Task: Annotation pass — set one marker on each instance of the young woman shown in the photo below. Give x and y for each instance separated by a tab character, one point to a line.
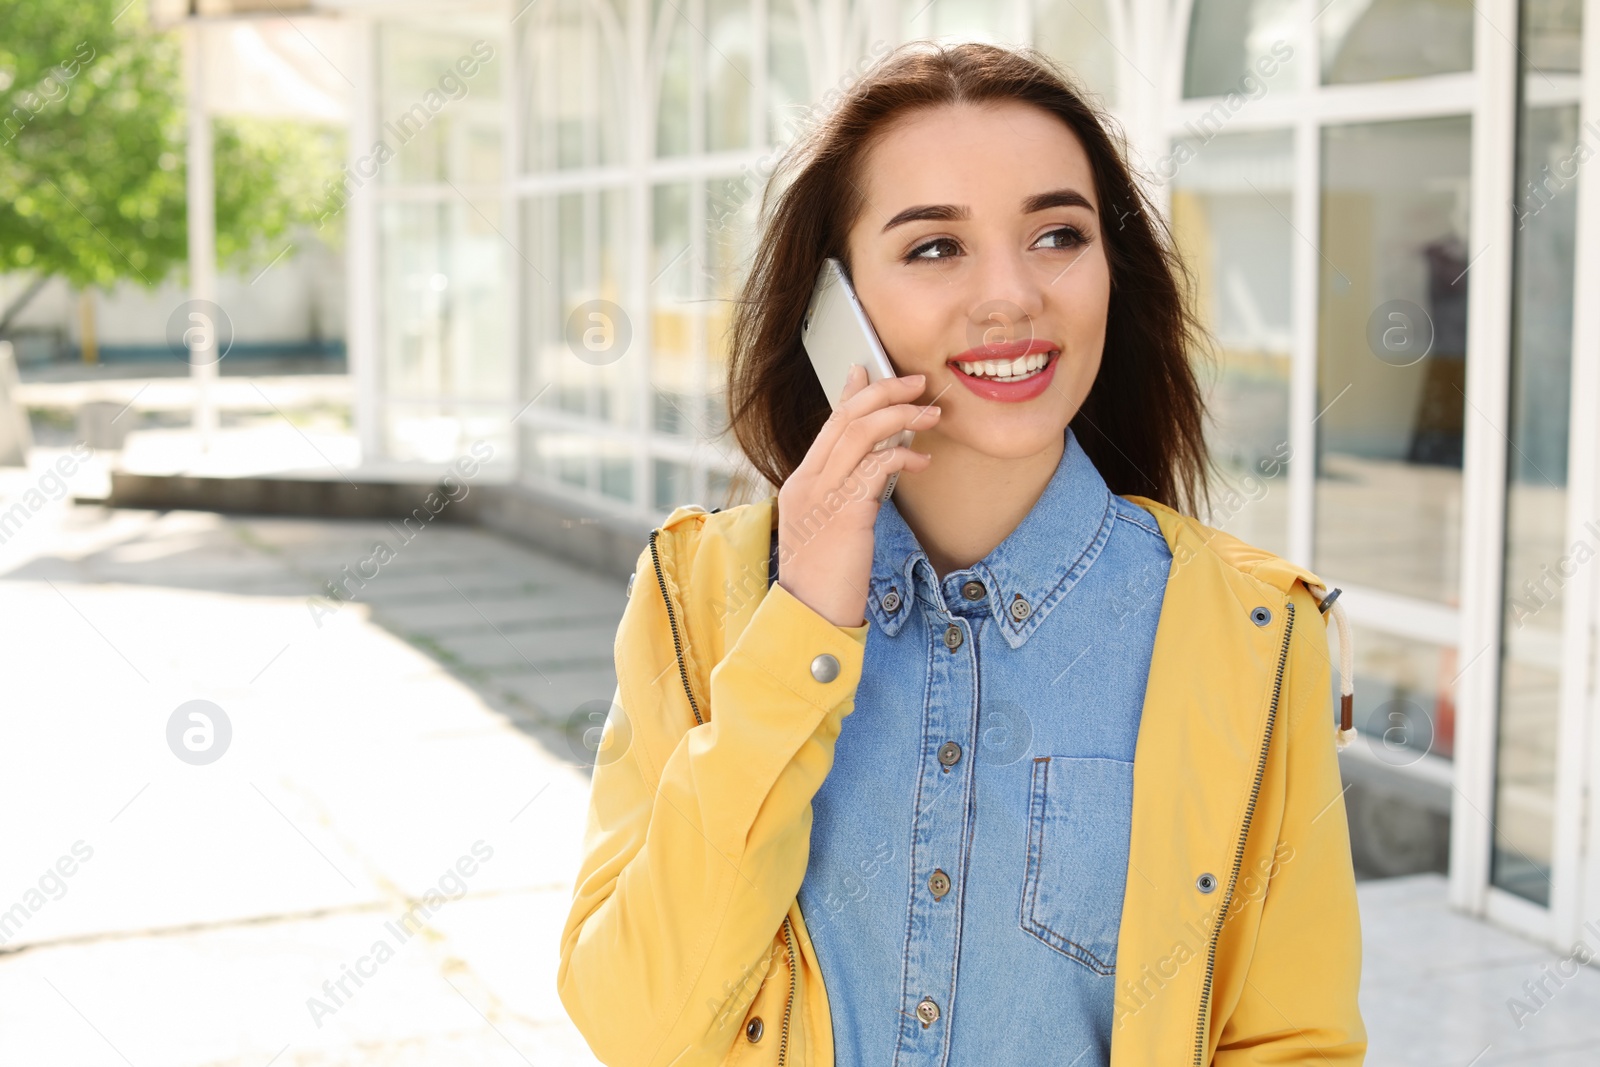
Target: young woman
1022	765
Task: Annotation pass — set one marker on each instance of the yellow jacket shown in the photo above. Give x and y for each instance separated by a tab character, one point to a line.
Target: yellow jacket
685	940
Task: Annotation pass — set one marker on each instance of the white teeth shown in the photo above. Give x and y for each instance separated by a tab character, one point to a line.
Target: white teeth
1006	370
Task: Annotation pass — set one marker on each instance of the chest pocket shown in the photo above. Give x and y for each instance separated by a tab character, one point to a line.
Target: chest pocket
1079	816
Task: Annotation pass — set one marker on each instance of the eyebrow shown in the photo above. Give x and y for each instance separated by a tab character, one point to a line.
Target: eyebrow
926	212
1055	198
958	212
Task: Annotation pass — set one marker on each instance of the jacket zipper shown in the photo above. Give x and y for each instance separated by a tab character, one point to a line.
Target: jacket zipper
1244	832
683	675
672	620
788	1005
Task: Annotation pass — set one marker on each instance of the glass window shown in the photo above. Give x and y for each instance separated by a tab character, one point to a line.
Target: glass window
672	484
728	74
586	462
443	432
442	286
960	19
558	455
1405	696
1242	46
672	314
571	85
582	344
673	65
1392	355
1397	799
615	460
731	233
1552	37
1080	36
1538	564
1373	40
439	111
789	97
1231	205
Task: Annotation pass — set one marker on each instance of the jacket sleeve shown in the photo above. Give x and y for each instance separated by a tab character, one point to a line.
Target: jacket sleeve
689	869
1298	1004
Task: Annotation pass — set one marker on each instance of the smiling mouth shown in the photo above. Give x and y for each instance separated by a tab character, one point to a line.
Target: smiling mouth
1017	369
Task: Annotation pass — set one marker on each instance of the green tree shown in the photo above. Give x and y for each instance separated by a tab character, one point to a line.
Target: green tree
92	164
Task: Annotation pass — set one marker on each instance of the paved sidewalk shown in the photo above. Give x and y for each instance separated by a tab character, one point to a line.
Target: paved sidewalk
413	742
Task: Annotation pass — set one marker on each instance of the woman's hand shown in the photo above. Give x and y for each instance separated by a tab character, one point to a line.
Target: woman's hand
829	504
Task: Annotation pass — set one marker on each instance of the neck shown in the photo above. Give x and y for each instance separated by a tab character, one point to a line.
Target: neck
966	503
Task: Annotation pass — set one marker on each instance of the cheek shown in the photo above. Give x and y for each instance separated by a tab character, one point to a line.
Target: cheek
911	326
1082	297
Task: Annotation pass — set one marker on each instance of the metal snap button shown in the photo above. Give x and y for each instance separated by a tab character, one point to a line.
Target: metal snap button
891	601
1260	616
973	590
1020	608
754	1029
1206	882
927	1011
631	577
825	668
949	754
952	637
938	884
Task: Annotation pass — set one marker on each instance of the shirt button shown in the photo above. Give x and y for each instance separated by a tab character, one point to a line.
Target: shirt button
891	601
1020	608
825	668
973	590
938	884
753	1029
952	637
927	1011
949	754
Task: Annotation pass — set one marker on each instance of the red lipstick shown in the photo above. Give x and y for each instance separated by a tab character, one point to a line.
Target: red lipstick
1011	392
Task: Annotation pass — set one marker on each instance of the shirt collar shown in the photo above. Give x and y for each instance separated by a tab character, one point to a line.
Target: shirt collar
1024	577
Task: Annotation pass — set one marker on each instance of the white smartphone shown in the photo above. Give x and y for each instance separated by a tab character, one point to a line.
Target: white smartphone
836	333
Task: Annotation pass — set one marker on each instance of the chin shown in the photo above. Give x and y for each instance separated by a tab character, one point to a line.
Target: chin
1014	442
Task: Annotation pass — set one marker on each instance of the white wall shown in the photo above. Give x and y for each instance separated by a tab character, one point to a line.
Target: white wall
297	299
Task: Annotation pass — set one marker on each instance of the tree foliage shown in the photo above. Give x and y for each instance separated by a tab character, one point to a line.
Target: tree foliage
92	151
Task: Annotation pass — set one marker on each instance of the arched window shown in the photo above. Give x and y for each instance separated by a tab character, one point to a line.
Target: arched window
572	85
1231	40
1374	40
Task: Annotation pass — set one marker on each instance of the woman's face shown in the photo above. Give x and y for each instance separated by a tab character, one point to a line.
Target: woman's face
978	257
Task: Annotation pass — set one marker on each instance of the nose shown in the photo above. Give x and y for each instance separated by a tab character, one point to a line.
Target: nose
1007	300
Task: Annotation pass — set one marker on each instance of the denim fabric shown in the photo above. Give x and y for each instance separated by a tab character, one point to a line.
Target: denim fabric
1040	682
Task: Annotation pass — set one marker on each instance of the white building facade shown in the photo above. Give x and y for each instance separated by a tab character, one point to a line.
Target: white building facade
1391	213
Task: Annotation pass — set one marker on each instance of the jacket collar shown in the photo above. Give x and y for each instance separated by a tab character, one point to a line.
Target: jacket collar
1024	577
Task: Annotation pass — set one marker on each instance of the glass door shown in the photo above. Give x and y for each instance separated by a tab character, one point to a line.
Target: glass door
1541	563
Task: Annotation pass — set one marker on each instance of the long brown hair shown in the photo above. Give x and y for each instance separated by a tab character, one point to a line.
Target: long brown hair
1143	421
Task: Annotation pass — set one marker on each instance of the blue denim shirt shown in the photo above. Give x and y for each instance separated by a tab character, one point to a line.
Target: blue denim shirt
969	847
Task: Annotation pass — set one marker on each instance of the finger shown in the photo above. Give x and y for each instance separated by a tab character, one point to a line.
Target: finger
864	399
855	380
870	476
862	436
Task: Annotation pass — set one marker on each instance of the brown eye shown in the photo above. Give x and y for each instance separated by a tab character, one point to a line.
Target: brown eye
1063	237
938	248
